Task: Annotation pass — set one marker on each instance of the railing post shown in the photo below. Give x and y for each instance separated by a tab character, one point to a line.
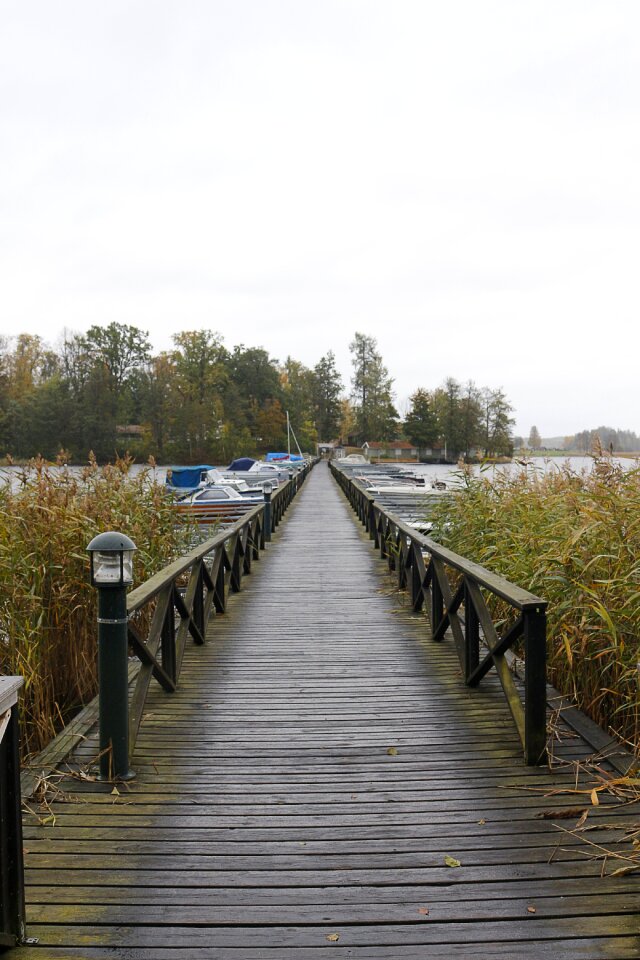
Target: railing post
12	910
267	512
437	601
198	603
417	593
371	521
168	639
471	634
535	685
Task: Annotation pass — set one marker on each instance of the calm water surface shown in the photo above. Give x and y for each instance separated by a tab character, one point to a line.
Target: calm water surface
432	471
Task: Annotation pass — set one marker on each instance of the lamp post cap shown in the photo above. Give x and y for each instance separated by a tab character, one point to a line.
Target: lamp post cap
111	542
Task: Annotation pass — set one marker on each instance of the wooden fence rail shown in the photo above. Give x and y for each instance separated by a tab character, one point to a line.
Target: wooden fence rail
455	590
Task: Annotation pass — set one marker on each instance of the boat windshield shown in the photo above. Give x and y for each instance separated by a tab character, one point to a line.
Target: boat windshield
213	493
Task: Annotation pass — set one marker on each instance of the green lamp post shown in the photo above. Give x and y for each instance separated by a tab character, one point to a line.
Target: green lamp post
111	572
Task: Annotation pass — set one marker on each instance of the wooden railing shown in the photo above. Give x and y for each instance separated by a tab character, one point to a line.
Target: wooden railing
177	602
453	589
11	867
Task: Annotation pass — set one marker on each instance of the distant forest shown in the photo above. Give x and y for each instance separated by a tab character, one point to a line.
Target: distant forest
606	439
105	391
622	441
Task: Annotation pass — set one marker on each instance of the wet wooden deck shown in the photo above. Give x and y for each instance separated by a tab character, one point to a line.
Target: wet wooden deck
301	793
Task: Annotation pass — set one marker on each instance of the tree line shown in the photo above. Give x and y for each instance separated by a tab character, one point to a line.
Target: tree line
106	391
608	439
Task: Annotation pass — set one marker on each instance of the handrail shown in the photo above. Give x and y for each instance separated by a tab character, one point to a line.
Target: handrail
458	606
12	909
176	602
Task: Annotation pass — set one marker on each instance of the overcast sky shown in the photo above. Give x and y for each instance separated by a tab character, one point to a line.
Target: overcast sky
459	179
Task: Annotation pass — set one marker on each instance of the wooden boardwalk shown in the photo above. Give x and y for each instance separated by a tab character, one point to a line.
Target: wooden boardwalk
301	792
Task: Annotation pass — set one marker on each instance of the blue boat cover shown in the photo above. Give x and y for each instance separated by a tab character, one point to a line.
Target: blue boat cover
244	463
282	456
187	477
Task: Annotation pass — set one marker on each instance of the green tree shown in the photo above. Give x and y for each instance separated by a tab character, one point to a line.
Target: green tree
471	417
254	380
157	401
44	422
376	416
496	424
421	423
448	408
327	391
120	349
200	378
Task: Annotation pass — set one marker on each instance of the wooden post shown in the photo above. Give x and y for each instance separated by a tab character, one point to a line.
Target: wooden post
12	911
168	638
535	685
437	602
471	635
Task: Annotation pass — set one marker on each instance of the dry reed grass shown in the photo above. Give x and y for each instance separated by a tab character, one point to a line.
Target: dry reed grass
47	606
573	539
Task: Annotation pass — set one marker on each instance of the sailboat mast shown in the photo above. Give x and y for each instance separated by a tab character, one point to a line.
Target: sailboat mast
288	437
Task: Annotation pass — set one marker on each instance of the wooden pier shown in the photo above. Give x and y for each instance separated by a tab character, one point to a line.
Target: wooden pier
323	784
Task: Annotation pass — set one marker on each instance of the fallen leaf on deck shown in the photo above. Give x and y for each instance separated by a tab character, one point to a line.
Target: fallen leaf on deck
115	792
531	909
333	937
482	822
594	798
452	862
424	911
392	751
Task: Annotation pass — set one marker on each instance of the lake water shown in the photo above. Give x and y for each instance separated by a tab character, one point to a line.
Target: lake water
431	471
448	472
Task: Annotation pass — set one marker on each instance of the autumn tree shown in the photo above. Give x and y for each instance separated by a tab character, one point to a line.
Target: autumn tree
297	383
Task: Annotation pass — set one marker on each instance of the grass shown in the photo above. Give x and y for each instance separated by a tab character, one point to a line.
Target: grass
47	606
573	539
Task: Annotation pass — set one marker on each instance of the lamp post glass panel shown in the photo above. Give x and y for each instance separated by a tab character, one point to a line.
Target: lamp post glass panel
111	572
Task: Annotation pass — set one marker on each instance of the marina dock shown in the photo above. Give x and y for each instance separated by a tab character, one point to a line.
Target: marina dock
322	783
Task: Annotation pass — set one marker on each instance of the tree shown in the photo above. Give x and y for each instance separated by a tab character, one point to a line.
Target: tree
253	380
497	424
271	423
447	405
376	416
347	424
421	423
157	402
120	349
29	364
472	417
535	440
327	390
198	386
297	383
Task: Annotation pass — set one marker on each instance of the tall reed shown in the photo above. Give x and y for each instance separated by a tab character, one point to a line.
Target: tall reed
47	606
573	539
